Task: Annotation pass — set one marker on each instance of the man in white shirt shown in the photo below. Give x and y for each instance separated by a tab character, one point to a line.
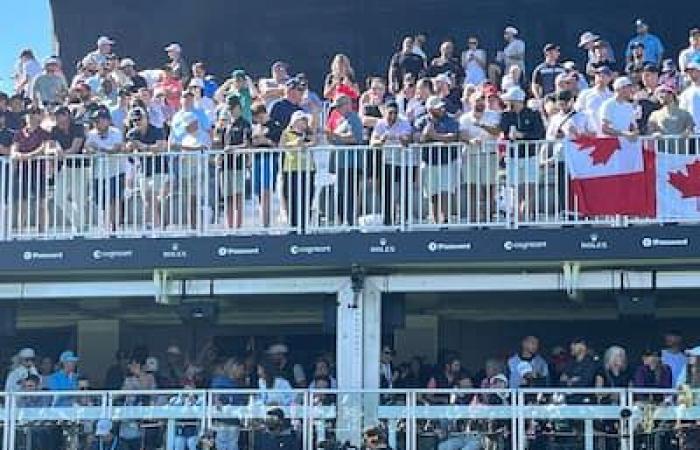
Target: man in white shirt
400	161
590	100
272	89
673	355
689	99
104	49
110	169
567	122
514	51
479	128
692	53
25	368
618	114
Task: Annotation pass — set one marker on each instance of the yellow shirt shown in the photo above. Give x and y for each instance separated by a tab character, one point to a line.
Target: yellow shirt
296	158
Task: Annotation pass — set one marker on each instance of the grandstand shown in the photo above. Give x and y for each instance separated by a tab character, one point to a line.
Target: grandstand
198	256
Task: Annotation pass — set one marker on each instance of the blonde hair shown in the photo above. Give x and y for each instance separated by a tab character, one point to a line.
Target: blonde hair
341	60
613	352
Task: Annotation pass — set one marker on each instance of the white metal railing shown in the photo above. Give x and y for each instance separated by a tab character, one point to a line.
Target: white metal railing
319	189
455	418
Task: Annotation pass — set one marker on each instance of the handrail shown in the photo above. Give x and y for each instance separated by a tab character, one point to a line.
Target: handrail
318	189
393	407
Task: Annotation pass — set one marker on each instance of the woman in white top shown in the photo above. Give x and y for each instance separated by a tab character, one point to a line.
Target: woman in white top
274	388
474	62
512	78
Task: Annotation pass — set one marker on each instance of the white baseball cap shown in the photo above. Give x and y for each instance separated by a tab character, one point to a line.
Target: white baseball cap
196	82
434	102
511	30
104	40
586	38
297	115
444	78
27	353
514	94
621	82
173	47
568	65
693	65
126	62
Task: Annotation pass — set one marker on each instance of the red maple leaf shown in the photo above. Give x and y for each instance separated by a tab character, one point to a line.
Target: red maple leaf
603	148
688	185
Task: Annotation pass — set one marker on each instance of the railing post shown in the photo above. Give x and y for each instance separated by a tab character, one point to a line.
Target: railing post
521	435
12	422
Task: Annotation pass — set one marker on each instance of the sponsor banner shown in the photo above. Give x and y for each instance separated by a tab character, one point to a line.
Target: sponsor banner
504	247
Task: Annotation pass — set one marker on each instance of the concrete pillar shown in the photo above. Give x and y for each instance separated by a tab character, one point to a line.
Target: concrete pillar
357	358
98	341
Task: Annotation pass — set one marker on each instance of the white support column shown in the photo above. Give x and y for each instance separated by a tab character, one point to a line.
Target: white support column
349	339
358	339
372	334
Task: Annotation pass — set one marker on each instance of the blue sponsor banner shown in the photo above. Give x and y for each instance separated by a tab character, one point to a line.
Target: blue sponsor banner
505	247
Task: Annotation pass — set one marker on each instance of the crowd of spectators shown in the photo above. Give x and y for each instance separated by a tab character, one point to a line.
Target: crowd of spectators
112	107
271	377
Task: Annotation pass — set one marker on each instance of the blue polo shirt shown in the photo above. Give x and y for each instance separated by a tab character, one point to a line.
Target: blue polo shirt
438	155
60	381
653	48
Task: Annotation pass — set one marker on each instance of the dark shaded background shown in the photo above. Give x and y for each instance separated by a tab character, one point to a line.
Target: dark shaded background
232	33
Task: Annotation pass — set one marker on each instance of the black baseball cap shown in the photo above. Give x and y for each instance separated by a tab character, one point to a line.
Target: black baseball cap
650	67
637	44
564	96
694	32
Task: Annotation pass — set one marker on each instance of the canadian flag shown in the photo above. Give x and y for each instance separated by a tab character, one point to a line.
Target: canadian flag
610	176
677	186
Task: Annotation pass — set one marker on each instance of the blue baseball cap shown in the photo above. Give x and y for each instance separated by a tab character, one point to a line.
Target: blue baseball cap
68	356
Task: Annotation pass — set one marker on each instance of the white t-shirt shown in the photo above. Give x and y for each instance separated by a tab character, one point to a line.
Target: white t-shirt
197	139
514	47
474	72
400	129
105	144
469	124
589	102
620	115
570	124
690	101
686	56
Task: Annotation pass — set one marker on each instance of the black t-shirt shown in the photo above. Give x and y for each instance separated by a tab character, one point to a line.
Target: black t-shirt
585	370
138	82
529	123
237	132
545	75
13	120
452	65
282	111
156	163
407	63
6	137
273	130
65	141
611	380
648	105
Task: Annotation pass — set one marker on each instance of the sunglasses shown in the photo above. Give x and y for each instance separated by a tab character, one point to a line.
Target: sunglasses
473	43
